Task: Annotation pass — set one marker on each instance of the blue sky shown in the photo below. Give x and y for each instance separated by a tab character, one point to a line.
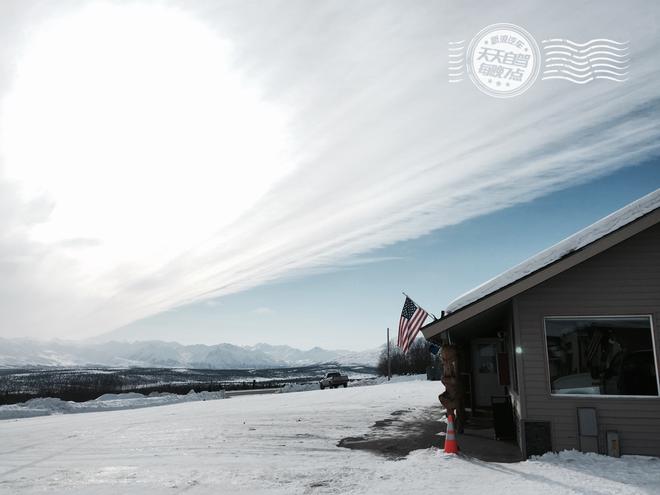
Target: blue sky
351	307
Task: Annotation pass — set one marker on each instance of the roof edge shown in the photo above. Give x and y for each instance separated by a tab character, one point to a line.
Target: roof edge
585	236
544	273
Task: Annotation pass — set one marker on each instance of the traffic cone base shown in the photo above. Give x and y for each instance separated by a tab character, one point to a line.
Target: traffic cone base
451	446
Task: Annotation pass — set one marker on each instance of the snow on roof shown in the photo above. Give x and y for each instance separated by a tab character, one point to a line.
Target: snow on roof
586	236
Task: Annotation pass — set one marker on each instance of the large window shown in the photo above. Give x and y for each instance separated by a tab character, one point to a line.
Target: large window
601	356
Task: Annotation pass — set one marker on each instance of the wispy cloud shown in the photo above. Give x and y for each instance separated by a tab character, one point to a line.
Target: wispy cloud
381	149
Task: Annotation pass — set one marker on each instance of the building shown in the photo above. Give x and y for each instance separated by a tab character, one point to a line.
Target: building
569	339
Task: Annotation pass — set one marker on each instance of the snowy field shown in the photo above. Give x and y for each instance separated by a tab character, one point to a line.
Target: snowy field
107	402
280	443
114	402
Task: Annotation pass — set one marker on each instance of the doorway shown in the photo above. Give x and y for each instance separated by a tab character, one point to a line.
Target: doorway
486	381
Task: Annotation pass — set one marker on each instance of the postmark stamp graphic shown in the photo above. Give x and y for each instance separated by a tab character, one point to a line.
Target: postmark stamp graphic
503	60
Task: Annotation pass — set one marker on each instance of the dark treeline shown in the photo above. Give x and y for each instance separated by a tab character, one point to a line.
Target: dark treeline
80	385
417	360
88	386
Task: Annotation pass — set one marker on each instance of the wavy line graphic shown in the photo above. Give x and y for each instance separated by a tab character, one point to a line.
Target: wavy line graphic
581	77
456	61
581	63
606	53
587	69
585	81
586	50
590	42
593	62
567	69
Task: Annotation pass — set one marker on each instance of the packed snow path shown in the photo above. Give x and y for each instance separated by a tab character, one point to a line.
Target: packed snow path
282	443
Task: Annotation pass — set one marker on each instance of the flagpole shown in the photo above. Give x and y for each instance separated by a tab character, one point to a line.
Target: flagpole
389	366
430	314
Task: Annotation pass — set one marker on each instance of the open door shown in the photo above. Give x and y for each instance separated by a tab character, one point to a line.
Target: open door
485	381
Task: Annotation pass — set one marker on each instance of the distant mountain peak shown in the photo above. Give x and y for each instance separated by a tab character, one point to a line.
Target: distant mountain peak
157	353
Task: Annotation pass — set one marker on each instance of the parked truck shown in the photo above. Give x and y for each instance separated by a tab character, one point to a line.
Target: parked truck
333	379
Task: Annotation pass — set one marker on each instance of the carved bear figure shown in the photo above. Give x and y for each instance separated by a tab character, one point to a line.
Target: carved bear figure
452	399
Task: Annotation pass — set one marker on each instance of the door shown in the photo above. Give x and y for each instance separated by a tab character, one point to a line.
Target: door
486	381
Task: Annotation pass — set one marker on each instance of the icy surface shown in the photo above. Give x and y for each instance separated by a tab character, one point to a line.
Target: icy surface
108	402
577	241
281	444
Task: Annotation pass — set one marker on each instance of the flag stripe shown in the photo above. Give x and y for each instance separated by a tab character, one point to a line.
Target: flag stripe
413	327
402	323
406	335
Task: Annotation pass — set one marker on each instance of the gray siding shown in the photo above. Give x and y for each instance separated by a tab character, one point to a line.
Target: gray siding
624	280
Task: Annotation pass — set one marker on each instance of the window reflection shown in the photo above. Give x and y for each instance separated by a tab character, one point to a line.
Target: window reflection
601	356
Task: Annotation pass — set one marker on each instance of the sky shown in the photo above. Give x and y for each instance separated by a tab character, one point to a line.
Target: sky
280	171
352	306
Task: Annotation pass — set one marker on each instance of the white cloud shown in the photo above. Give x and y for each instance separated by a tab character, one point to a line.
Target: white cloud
370	146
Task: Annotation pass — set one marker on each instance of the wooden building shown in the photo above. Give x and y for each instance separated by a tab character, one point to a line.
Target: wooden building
569	339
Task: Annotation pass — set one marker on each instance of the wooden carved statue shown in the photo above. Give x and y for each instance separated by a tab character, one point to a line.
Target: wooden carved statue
453	398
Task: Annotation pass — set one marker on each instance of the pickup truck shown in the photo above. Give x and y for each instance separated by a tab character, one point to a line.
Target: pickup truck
333	379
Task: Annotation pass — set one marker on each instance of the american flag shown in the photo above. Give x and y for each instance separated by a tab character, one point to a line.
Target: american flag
412	319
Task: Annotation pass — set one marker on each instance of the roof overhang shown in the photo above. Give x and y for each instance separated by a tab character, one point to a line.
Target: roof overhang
570	260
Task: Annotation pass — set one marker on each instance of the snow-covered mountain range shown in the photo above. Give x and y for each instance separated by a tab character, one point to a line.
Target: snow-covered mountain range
23	352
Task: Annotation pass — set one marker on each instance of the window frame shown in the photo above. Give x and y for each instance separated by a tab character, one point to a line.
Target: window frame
600	396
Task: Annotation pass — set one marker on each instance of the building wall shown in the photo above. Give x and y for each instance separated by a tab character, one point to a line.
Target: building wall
624	280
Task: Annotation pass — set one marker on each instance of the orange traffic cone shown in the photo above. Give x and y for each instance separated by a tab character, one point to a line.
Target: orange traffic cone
451	447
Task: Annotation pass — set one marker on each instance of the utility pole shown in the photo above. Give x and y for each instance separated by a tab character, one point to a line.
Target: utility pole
389	367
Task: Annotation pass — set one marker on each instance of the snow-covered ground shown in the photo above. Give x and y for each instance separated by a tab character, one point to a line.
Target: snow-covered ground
279	443
107	402
114	402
